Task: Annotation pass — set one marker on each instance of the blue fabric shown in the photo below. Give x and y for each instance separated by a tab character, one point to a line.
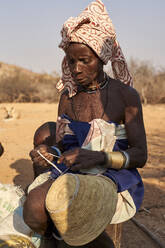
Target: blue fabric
120	144
125	179
69	142
55	173
128	180
80	129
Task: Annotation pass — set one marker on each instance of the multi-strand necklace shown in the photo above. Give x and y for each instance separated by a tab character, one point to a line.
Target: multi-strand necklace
92	90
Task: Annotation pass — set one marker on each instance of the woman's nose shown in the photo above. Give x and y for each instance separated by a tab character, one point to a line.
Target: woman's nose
77	67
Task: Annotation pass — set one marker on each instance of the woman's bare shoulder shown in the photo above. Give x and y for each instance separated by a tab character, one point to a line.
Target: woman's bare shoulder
128	93
63	102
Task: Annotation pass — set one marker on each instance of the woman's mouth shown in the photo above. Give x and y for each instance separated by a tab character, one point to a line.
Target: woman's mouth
79	79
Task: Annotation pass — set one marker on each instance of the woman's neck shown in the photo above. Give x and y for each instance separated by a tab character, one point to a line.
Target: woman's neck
98	84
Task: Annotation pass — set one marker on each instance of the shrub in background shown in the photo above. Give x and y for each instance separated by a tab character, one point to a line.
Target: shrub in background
25	86
20	85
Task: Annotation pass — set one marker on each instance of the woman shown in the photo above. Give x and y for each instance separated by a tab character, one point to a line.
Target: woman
104	114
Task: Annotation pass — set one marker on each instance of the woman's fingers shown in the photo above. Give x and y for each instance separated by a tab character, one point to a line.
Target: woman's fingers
40	154
70	157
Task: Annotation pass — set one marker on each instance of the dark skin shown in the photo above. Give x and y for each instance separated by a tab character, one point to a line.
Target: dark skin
35	213
122	106
38	217
116	102
44	135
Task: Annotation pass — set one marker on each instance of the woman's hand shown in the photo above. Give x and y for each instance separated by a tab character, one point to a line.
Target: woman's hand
79	158
45	151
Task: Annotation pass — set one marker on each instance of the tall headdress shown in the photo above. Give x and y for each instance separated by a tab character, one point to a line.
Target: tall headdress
93	27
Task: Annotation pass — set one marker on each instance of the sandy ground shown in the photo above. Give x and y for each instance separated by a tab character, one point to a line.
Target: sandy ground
16	136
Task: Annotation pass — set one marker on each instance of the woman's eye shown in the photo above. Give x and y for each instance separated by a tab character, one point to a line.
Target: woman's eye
85	61
71	61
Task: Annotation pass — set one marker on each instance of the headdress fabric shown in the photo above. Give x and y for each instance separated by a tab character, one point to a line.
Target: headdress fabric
93	27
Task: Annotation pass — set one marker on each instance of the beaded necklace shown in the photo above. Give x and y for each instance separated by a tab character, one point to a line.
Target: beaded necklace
94	88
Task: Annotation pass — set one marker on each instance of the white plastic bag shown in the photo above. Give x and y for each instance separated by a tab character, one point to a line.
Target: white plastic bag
11	197
11	214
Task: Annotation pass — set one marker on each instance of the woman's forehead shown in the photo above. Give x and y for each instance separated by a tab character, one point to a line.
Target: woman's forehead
79	49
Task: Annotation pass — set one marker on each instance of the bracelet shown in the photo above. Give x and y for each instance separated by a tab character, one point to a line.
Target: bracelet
56	237
115	160
57	150
127	160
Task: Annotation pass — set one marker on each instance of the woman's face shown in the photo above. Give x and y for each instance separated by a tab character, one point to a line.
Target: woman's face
86	68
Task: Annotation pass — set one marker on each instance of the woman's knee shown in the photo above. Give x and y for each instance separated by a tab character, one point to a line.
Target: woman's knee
45	134
34	211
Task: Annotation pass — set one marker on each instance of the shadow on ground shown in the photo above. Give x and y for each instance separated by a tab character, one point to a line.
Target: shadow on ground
25	172
154	220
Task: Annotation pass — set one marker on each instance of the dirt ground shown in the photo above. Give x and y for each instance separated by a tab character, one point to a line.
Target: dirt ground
16	136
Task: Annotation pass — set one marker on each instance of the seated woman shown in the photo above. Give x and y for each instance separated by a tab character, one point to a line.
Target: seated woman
100	127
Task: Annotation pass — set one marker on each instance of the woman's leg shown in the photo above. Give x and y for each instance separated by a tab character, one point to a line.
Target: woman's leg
34	211
37	218
102	241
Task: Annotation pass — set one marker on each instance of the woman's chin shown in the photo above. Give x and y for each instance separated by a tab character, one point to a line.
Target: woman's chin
83	84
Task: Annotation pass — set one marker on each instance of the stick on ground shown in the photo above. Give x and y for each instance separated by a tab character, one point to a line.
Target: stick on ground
148	232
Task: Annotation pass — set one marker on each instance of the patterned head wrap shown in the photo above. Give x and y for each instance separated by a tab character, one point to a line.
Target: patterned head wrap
94	28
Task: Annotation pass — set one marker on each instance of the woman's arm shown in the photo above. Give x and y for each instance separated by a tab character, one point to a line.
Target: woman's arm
137	151
63	103
135	130
136	154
